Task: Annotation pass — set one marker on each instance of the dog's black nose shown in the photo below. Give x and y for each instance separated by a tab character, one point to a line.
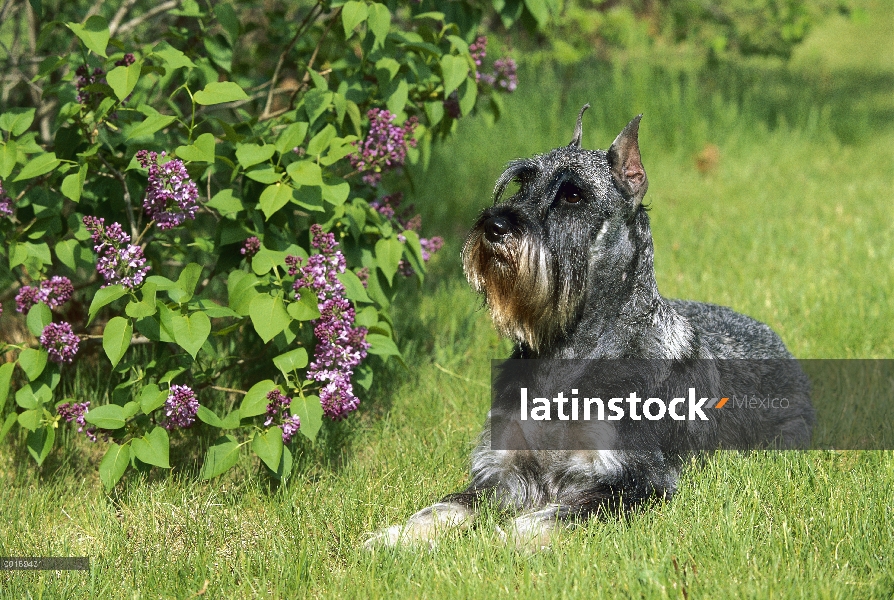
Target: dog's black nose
495	228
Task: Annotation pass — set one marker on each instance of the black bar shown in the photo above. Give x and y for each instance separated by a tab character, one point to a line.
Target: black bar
44	563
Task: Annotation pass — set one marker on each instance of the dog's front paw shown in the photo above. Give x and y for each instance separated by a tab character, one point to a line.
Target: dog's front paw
423	528
532	532
384	538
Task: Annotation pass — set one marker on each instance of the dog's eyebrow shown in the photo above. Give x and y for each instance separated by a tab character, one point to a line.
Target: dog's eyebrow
524	168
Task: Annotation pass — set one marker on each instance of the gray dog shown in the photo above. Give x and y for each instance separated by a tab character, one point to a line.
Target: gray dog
565	268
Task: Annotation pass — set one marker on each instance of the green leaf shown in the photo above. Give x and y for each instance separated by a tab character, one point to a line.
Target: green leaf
291	361
6	370
316	101
255	401
201	150
285	464
252	154
241	290
539	11
306	307
192	331
116	338
468	94
274	197
186	283
353	13
454	70
310	413
39	316
73	184
206	415
220	457
379	21
226	203
31	419
232	420
305	172
218	92
153	448
381	345
103	297
113	464
94	33
354	289
151	397
40	442
30	397
17	120
11	420
228	18
216	311
388	255
109	416
32	362
138	310
124	79
173	58
336	194
268	315
8	155
37	166
268	447
398	98
291	137
321	141
265	175
149	126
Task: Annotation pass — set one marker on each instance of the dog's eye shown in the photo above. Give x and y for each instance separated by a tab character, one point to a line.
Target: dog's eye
569	194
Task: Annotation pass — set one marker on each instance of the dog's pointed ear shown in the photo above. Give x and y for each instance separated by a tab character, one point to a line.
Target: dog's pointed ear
626	163
579	128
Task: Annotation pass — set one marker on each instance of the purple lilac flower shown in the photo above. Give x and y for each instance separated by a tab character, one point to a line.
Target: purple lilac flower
277	408
385	147
53	292
180	407
171	195
290	426
430	246
451	104
77	411
27	297
251	247
478	50
126	61
505	74
341	346
85	78
60	342
6	209
119	260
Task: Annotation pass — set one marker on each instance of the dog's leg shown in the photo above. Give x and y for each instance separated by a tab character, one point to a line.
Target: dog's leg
456	511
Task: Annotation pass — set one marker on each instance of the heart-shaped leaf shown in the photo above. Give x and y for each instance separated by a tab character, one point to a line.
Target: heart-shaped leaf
201	150
454	70
116	338
268	315
255	401
124	79
192	331
94	33
218	92
291	361
153	448
220	457
113	464
268	447
109	416
310	413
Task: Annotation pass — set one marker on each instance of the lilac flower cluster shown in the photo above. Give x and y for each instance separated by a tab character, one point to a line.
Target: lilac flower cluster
171	195
478	50
341	346
119	260
85	78
76	411
60	342
5	203
277	408
251	247
53	292
125	61
505	75
181	407
385	147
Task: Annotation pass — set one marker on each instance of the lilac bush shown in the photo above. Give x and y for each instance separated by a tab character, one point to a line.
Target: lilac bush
237	226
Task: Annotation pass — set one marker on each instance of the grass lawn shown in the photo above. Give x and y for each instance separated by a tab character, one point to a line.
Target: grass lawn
791	224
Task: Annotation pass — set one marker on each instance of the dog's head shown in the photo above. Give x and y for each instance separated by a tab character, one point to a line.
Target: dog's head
574	227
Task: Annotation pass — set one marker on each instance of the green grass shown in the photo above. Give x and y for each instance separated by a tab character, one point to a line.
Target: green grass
792	226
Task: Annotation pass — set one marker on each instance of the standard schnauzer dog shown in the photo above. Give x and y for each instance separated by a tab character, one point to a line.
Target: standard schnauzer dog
565	267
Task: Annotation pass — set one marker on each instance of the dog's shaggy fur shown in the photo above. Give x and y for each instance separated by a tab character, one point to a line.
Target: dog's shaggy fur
565	267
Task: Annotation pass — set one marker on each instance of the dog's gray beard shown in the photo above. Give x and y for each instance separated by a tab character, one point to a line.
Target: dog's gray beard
516	281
